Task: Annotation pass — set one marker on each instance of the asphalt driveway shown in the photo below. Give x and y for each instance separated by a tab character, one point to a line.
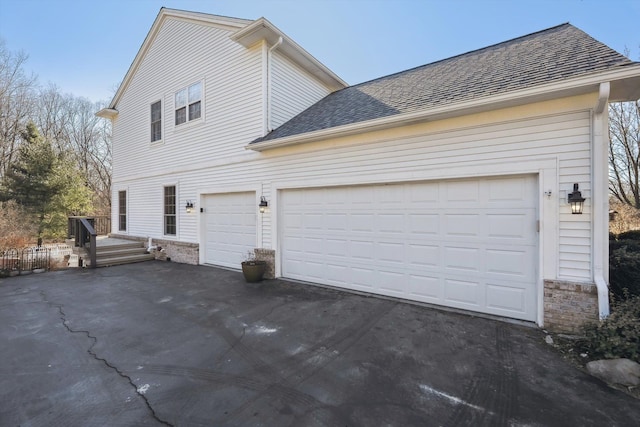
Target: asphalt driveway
171	344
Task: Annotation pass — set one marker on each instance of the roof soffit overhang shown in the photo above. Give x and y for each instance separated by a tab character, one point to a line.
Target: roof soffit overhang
107	113
223	22
262	29
624	87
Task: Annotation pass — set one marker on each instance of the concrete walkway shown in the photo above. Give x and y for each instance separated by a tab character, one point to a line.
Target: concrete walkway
171	344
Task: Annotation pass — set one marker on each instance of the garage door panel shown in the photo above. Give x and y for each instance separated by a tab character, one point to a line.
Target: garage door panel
461	191
337	247
389	194
390	252
362	222
425	287
505	298
364	277
423	255
462	243
467	259
462	292
391	281
230	228
424	195
424	223
462	224
363	250
509	262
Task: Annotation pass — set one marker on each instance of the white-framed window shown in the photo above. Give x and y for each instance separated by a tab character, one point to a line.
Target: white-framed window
156	121
122	210
188	103
170	211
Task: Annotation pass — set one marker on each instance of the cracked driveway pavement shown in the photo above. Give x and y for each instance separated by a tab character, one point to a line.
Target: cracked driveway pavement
171	344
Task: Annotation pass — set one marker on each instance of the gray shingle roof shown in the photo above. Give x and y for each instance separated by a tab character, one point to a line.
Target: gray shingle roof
551	55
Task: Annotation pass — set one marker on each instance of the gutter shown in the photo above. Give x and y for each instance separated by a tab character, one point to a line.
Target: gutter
601	207
269	85
576	86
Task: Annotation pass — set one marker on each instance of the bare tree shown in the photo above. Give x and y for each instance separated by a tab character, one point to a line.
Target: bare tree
624	152
16	103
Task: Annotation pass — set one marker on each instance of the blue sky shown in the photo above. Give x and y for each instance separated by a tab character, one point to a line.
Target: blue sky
85	47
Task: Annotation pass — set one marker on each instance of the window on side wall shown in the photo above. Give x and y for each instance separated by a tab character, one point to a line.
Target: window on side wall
170	210
122	211
156	121
188	103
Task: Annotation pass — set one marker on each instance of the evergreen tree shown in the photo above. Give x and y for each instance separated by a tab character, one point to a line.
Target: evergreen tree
46	184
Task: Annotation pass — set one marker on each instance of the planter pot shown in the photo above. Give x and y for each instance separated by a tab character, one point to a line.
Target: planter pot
38	270
253	270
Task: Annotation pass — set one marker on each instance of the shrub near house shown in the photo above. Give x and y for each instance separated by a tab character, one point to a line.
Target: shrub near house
624	264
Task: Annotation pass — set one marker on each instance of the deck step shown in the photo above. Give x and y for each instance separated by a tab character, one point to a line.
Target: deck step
123	259
121	253
120	246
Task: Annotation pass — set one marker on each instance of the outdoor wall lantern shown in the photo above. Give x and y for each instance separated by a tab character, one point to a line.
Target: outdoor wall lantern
263	204
189	206
576	200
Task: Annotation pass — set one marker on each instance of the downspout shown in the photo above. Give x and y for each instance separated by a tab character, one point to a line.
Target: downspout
600	208
269	53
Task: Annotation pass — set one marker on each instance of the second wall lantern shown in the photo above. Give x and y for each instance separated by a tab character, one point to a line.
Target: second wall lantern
576	200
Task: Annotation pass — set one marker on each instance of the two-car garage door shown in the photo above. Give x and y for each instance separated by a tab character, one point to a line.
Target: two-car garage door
468	244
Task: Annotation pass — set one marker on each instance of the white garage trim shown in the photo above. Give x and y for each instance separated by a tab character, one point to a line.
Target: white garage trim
546	169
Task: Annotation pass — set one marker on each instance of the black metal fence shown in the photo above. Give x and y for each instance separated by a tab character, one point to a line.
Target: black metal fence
22	261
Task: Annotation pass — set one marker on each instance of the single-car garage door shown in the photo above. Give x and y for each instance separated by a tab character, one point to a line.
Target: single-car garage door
230	227
469	244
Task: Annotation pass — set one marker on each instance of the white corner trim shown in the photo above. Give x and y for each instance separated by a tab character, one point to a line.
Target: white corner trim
600	186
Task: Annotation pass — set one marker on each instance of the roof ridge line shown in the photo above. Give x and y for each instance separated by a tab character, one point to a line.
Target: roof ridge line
463	54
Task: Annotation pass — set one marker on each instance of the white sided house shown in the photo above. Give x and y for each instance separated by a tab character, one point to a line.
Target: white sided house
446	184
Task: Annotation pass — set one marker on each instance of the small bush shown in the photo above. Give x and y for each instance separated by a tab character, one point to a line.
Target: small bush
618	336
624	268
16	228
629	235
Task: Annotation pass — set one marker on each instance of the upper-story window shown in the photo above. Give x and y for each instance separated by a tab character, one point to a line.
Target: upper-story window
188	103
156	121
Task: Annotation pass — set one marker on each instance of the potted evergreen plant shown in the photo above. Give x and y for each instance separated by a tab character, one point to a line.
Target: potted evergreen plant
253	269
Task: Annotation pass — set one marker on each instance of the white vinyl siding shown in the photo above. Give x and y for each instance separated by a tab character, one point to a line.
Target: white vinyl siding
232	115
563	138
293	90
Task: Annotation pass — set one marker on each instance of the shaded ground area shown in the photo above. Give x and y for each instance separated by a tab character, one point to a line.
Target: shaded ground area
170	344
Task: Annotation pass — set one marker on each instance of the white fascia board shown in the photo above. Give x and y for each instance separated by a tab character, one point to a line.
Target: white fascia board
230	24
262	29
572	87
107	113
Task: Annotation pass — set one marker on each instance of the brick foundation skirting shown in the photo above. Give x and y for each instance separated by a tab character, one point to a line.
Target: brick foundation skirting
183	252
568	305
268	255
